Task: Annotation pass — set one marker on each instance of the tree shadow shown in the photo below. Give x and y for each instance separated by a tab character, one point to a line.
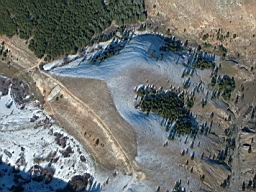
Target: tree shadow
41	179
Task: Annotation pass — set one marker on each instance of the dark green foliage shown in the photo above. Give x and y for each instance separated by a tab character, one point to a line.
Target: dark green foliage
207	45
227	34
250	149
203	64
60	27
190	102
171	45
112	49
226	86
3	52
243	186
184	124
213	80
170	106
223	50
203	60
205	36
2	49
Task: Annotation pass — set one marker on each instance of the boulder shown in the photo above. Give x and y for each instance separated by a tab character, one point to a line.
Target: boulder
79	183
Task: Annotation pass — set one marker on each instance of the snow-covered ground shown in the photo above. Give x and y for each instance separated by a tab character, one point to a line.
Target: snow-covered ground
140	54
30	137
141	58
5	100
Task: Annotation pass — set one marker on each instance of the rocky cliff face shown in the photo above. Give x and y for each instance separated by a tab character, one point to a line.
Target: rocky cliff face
232	21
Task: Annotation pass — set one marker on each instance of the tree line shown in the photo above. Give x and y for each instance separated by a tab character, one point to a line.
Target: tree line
55	28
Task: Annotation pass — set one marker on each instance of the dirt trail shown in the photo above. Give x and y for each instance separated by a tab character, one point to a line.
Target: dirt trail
120	153
236	168
23	57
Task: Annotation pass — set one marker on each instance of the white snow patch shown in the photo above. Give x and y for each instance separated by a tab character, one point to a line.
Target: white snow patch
22	137
142	53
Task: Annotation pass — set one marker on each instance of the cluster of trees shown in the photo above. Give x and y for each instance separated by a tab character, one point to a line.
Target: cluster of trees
2	48
112	49
54	28
3	51
203	60
204	64
190	101
219	35
226	86
168	104
172	44
250	185
222	50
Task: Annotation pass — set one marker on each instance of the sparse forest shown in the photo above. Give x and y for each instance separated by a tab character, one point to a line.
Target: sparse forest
55	28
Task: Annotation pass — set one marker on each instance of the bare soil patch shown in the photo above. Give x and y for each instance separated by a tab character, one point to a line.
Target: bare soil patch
96	94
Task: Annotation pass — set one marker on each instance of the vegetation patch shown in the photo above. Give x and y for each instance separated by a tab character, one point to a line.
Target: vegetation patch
3	51
222	50
169	104
204	60
226	86
112	49
55	28
172	44
204	64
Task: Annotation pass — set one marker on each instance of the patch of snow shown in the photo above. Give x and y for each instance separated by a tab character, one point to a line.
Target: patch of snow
142	52
4	100
20	136
54	93
49	66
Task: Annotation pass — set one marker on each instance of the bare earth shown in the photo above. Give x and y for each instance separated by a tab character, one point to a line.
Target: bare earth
192	19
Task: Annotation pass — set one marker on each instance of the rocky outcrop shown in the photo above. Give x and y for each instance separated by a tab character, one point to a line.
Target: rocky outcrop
39	173
80	183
